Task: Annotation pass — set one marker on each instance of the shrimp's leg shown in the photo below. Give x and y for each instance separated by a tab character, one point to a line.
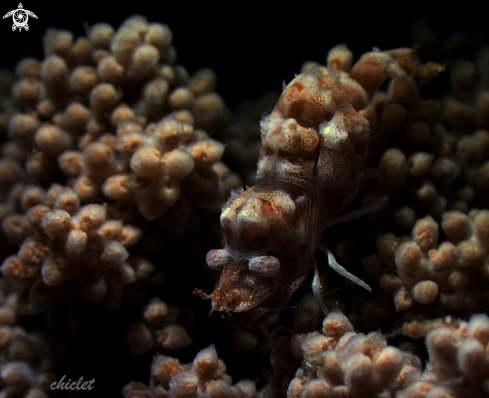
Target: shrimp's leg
339	269
358	213
316	288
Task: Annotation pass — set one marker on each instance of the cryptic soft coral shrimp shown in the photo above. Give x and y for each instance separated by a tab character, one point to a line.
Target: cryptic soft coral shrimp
314	145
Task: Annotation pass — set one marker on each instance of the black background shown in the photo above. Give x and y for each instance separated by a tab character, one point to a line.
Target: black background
253	47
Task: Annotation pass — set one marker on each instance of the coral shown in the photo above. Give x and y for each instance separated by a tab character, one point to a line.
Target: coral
127	149
339	361
448	275
115	163
66	249
103	135
204	377
157	329
27	358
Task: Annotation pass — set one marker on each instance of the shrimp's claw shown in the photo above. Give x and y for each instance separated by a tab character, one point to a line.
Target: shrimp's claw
316	288
340	270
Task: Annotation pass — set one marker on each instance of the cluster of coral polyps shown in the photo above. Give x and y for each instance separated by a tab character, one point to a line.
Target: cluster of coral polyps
157	329
450	276
63	245
26	358
339	362
430	158
116	124
205	377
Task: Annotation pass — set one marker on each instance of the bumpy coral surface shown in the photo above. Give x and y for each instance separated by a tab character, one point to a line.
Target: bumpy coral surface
109	118
204	377
340	362
115	164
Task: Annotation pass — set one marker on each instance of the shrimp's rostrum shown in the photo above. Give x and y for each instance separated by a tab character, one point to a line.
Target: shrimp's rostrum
314	145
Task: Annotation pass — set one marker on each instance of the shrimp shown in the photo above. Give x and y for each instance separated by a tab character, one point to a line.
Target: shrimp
314	145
